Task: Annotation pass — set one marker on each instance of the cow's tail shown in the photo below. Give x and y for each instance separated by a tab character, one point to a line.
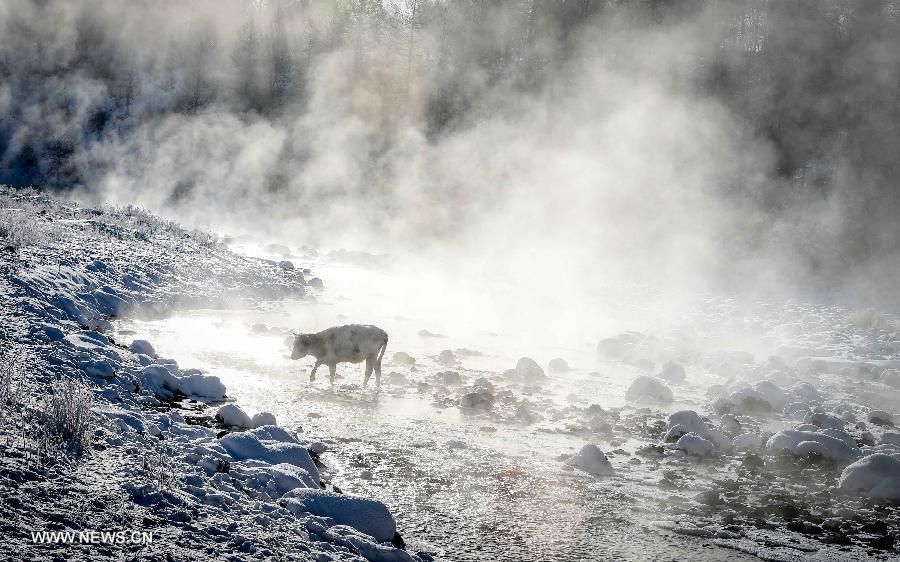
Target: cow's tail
383	348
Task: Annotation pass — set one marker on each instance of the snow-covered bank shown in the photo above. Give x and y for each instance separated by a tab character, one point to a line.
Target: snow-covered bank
69	388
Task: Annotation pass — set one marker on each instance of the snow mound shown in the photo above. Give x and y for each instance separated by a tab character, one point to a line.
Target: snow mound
646	388
262	418
529	371
229	414
366	516
806	443
591	459
695	446
876	476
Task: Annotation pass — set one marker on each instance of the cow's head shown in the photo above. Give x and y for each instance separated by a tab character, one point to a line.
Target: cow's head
302	346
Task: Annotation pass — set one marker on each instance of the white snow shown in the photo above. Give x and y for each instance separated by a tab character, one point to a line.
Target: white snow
592	460
646	388
875	476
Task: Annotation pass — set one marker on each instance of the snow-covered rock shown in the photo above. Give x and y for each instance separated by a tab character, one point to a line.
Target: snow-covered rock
806	443
890	438
695	446
477	399
875	476
688	419
762	396
592	460
403	358
367	516
879	417
747	442
142	346
529	371
271	445
646	388
825	421
672	372
263	418
446	357
233	415
891	377
449	378
730	423
165	379
558	365
278	479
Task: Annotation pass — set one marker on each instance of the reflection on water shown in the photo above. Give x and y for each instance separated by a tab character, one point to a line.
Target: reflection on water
464	486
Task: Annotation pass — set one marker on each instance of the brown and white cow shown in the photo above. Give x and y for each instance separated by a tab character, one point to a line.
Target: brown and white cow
352	343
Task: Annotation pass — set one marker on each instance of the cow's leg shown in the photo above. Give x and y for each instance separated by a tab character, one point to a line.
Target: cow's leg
332	370
378	371
312	375
370	364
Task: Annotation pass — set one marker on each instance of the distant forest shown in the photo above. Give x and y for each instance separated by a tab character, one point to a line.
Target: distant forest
816	81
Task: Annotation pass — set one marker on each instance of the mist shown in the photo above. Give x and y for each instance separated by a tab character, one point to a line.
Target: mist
745	146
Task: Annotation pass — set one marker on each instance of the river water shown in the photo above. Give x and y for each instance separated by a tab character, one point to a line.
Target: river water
481	485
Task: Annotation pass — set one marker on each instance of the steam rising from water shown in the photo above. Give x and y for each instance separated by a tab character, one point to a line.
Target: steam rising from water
597	155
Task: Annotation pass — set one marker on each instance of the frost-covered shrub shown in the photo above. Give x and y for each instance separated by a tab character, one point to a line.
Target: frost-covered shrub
20	229
67	416
11	379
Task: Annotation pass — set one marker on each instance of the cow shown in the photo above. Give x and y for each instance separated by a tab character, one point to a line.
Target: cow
352	343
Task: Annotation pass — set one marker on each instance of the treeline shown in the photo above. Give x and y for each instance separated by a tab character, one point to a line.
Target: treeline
817	80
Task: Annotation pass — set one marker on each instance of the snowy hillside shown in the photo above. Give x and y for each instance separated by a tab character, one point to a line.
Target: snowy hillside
94	435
